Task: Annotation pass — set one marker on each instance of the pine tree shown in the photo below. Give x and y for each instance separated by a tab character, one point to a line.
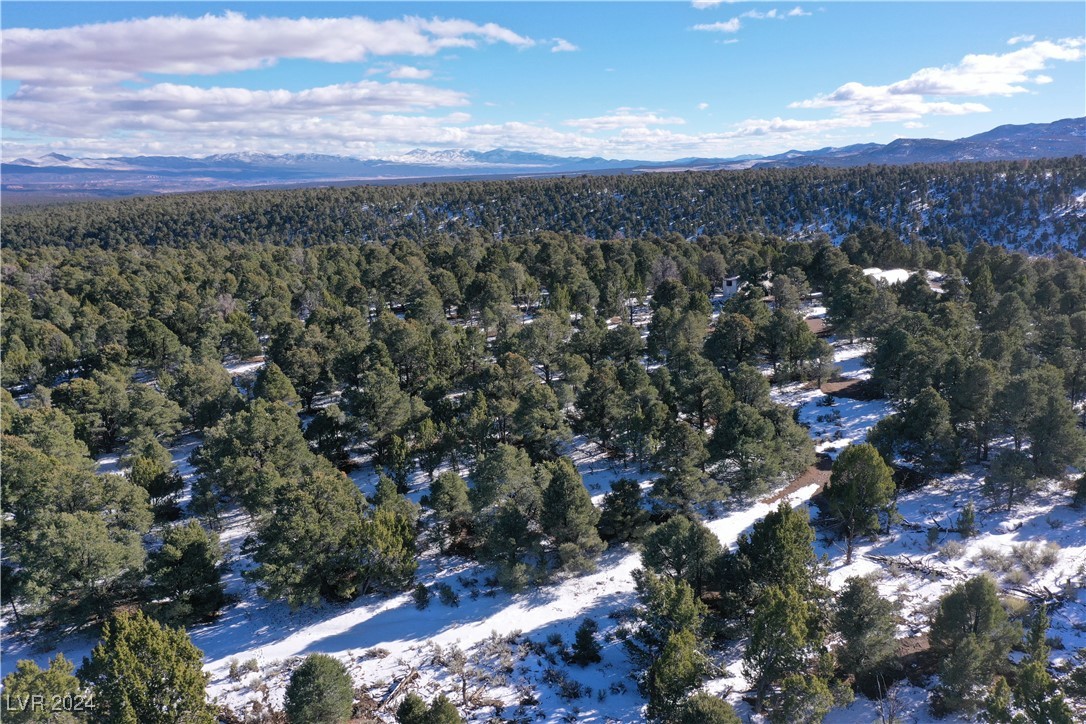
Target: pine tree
379	405
152	469
394	455
186	570
682	458
802	699
388	497
622	518
997	705
504	472
1009	477
421	596
150	413
1035	692
964	677
389	559
861	487
865	621
779	551
570	518
320	691
779	643
252	454
1079	500
449	500
926	436
203	389
328	433
972	636
55	683
539	422
274	386
586	650
759	447
967	521
147	673
664	607
309	547
702	708
74	563
1056	441
682	548
510	539
679	668
430	445
443	711
412	710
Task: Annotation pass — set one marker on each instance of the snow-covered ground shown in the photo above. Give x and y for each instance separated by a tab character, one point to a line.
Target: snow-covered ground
382	640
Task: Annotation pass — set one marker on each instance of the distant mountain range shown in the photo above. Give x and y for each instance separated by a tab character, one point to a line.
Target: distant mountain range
59	176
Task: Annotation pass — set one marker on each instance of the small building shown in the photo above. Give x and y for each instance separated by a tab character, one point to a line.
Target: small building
730	286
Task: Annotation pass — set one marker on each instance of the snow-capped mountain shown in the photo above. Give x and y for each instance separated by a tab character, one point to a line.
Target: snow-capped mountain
55	174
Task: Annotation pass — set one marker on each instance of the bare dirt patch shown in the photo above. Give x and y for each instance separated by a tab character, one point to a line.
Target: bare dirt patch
852	389
818	474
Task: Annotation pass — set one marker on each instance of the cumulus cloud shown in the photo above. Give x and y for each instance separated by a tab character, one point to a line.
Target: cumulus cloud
211	44
975	76
706	4
734	25
702	106
409	72
727	26
563	46
175	107
94	87
623	118
1021	39
759	15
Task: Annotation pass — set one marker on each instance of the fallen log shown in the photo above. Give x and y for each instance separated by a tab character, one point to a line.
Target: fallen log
910	564
397	688
1042	594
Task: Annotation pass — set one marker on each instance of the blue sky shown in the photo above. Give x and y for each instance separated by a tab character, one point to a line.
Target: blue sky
637	80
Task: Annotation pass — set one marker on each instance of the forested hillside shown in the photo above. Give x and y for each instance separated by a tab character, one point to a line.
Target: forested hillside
1036	206
403	427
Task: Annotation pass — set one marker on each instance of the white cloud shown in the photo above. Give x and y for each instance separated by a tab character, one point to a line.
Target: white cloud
734	25
170	107
759	15
989	74
1042	79
727	26
1021	39
776	126
623	118
125	50
92	86
706	4
563	46
775	14
976	76
702	106
410	72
